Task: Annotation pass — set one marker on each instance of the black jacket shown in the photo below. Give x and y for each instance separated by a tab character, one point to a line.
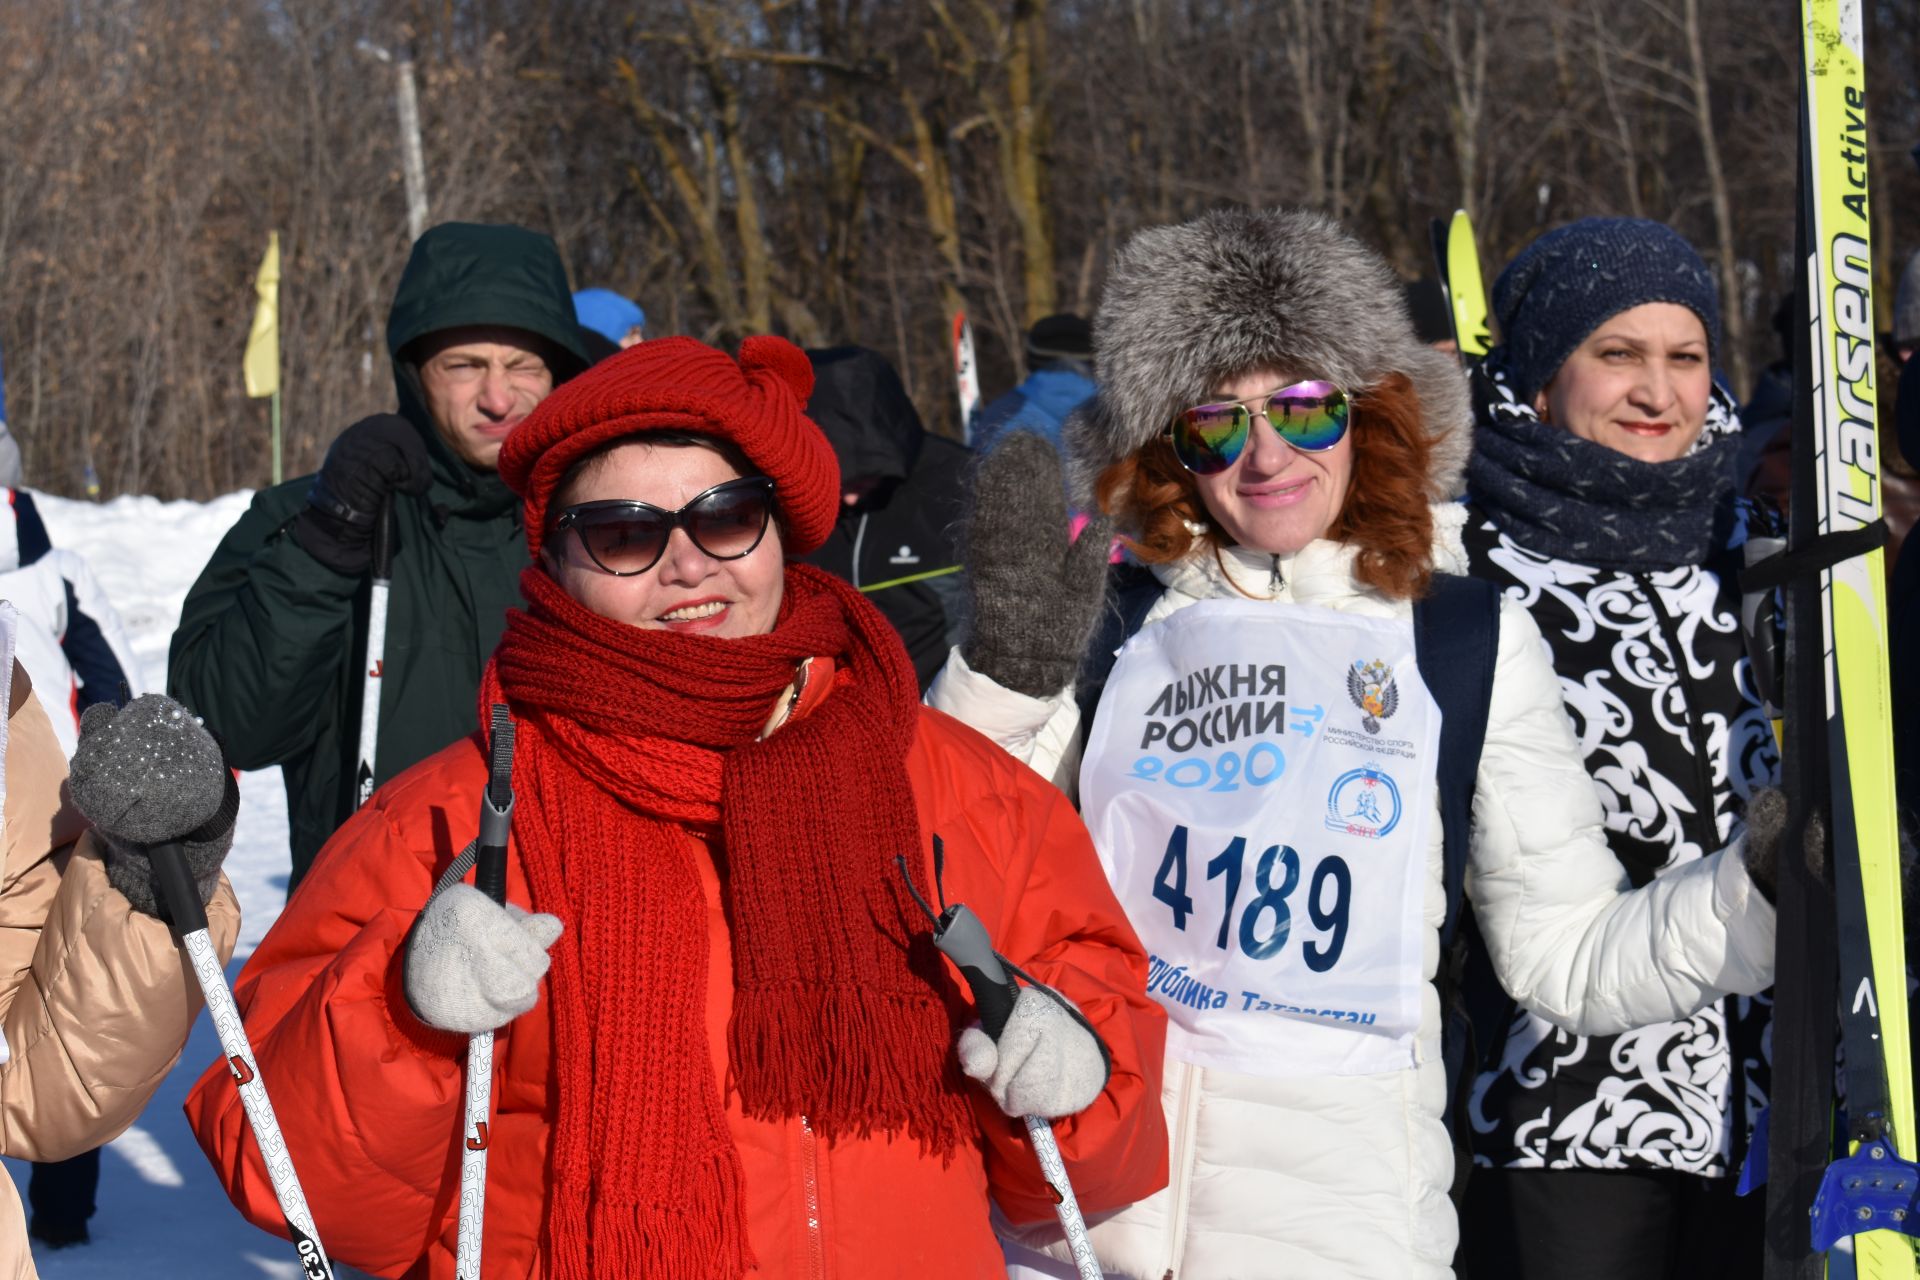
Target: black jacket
897	542
271	645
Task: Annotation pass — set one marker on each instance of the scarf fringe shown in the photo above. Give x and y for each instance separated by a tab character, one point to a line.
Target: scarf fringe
705	1234
834	1056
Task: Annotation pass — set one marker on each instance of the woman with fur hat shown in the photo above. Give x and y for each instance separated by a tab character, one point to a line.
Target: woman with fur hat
1262	772
1604	500
726	1043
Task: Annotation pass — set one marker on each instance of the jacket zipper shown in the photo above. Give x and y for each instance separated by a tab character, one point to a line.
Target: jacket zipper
1706	832
1278	581
1181	1170
810	1191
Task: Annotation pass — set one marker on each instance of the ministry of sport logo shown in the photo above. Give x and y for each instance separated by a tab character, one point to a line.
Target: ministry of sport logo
1364	802
1372	688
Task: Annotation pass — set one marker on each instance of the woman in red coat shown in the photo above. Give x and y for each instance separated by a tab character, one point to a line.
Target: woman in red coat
743	1054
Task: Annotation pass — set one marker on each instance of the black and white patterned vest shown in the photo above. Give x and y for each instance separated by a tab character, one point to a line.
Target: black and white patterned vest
1654	672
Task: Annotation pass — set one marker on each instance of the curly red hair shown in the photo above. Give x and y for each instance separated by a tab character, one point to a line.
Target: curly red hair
1385	512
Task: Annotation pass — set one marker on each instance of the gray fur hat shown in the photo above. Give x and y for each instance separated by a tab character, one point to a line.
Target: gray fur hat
1188	307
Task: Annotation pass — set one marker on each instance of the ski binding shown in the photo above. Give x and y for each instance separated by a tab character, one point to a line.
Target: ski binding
1871	1190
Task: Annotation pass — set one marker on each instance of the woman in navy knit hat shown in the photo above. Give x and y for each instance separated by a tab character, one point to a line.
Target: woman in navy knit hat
1603	498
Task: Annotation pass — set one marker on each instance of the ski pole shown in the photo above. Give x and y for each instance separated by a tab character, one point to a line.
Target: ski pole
490	877
376	651
966	374
189	918
961	938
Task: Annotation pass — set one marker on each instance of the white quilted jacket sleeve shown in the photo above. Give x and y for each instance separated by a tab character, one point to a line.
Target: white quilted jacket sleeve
1042	733
1567	935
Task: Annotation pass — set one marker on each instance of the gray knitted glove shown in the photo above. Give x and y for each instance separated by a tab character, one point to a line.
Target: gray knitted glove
147	773
1766	831
1045	1063
474	965
1036	596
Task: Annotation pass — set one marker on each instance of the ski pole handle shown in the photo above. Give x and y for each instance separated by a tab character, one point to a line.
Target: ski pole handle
490	859
496	809
961	938
182	897
177	889
383	542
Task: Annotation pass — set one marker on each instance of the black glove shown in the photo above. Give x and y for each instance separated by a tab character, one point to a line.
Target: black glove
1037	595
369	462
148	773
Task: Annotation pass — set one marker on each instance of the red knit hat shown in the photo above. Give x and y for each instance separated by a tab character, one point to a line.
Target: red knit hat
678	384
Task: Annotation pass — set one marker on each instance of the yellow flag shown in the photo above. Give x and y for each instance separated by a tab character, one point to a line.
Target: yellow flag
262	361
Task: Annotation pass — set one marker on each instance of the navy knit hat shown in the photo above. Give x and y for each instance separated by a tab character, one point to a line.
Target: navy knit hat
1570	281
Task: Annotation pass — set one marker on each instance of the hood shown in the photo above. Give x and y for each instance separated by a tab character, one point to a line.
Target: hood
463	273
862	406
1187	307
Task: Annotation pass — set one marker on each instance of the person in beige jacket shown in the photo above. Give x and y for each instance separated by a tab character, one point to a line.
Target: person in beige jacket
96	998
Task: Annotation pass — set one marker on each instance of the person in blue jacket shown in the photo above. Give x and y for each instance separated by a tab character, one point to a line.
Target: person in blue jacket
1060	351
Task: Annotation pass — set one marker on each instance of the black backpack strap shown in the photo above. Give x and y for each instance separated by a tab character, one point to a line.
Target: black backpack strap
1456	639
1131	592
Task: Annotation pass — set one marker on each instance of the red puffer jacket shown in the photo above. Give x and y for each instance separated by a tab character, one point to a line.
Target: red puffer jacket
371	1100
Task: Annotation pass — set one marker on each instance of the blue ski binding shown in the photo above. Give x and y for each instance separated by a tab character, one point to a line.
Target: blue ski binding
1871	1190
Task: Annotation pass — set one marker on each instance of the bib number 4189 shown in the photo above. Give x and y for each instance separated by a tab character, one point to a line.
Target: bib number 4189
1267	921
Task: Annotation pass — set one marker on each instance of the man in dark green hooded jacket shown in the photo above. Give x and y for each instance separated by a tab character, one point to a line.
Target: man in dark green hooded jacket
272	642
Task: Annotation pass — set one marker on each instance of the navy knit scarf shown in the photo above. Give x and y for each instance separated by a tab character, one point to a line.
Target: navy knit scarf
1572	499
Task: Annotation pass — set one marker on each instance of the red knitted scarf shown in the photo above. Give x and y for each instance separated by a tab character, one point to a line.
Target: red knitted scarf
626	737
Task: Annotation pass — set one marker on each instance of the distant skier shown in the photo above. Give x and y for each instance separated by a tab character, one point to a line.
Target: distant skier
71	638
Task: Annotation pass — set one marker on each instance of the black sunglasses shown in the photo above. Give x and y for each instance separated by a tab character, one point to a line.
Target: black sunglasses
625	537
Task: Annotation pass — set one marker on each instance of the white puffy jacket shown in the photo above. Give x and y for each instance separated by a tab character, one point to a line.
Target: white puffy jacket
1348	1175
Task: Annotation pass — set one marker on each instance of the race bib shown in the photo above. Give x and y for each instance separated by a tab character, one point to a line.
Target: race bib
1259	784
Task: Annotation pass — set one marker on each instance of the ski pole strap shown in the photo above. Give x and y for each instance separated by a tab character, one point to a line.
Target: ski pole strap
456	872
1789	568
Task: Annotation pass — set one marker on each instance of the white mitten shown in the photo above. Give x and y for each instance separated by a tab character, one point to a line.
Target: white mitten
473	965
1046	1062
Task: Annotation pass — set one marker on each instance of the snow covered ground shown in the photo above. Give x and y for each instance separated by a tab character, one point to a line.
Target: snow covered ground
161	1212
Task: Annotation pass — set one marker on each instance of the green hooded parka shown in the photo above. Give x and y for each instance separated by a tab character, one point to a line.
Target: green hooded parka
271	646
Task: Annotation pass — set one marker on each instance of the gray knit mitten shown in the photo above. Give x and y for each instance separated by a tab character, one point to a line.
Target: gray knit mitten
1766	833
148	773
1046	1063
1037	594
474	965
